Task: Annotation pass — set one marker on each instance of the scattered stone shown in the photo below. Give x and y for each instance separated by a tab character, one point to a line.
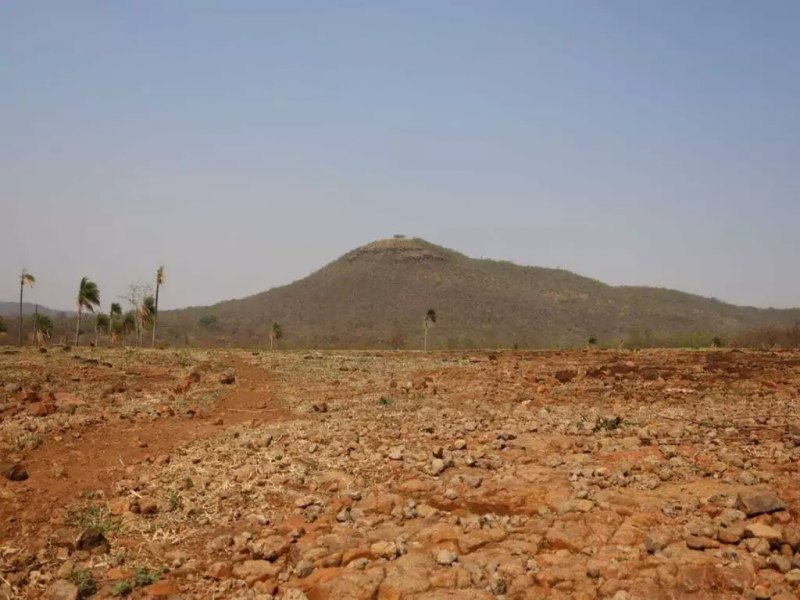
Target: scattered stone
92	538
700	542
66	570
730	516
758	546
345	515
780	563
384	549
305	502
655	541
219	570
791	535
793	576
761	592
42	409
762	530
446	557
498	585
252	571
304	568
161	589
473	481
358	501
570	506
14	472
565	375
165	410
61	590
148	506
594	568
754	503
732	534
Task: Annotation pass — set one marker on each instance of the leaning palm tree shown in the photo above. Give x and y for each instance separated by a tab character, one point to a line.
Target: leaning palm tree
429	321
24	279
114	311
160	278
88	298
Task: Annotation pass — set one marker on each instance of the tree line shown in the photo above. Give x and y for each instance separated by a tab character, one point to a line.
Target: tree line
141	316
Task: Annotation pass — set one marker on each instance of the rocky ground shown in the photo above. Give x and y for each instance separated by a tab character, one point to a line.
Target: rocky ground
372	475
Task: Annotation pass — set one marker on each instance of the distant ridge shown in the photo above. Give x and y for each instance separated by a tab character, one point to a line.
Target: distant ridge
375	296
9	309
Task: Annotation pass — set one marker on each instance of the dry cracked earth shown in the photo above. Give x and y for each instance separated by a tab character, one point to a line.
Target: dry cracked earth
399	475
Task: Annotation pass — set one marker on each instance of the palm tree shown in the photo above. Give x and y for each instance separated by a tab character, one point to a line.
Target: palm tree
24	279
88	298
160	278
275	333
429	321
115	311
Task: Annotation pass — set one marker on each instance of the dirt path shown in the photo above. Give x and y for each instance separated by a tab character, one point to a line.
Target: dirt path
65	468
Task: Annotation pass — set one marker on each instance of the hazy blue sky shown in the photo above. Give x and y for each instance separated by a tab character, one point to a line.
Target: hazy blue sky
245	144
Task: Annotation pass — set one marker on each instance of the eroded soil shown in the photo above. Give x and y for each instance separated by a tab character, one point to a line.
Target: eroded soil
389	475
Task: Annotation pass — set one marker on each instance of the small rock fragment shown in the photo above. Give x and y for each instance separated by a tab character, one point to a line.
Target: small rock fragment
61	590
384	549
304	568
91	538
565	375
700	542
732	534
14	472
780	563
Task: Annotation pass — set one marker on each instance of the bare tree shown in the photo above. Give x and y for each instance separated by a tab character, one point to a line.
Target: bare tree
135	296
